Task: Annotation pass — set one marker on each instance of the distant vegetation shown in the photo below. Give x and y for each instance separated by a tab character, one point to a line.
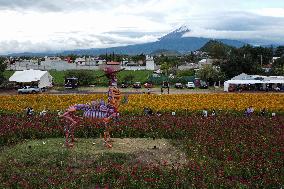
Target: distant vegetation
89	77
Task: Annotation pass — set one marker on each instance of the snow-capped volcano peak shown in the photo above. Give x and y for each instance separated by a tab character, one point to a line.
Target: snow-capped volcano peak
178	33
182	29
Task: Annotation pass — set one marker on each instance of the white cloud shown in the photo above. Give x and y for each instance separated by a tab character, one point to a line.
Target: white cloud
71	24
273	12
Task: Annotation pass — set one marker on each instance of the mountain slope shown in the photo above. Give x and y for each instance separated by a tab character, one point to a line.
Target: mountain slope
174	41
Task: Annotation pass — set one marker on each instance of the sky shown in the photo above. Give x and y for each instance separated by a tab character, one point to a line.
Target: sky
52	25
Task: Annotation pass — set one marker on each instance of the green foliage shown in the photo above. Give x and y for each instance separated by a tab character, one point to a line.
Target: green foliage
182	73
7	74
278	67
85	77
216	49
165	52
94	76
261	55
170	61
139	75
190	58
165	67
279	51
113	57
243	60
3	66
138	58
128	79
210	73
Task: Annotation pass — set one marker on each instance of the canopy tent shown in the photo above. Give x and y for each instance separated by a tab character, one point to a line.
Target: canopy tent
250	82
42	78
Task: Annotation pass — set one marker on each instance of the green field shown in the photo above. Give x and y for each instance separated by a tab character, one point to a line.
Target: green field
58	76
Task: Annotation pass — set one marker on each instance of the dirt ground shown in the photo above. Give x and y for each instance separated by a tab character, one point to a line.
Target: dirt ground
143	150
98	90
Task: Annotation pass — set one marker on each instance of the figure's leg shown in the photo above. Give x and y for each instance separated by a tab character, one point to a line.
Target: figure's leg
72	131
67	132
107	136
107	139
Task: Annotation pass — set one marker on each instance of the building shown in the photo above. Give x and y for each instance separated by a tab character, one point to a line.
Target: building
150	64
206	61
52	58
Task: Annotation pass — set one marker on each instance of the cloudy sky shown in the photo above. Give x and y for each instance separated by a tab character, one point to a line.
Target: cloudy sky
47	25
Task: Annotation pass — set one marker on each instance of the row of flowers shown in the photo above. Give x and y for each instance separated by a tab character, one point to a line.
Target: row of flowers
224	151
134	103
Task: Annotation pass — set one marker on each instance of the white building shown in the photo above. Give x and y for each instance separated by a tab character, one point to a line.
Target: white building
150	64
274	59
206	61
80	61
52	58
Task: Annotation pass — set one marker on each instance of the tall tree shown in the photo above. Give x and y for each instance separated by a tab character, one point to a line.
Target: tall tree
241	61
279	51
278	67
216	49
3	67
210	73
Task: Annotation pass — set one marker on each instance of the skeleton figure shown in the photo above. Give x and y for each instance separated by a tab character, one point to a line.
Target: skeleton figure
96	110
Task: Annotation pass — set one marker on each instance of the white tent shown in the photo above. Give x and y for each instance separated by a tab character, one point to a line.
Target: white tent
42	78
252	82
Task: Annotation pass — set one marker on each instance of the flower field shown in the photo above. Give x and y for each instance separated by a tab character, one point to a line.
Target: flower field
191	102
225	151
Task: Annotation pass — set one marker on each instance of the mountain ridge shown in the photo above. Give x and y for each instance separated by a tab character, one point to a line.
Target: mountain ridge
173	41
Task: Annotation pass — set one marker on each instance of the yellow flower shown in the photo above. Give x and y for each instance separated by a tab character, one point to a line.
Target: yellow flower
190	102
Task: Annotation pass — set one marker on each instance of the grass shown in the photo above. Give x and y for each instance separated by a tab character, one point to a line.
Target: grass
8	74
59	76
47	164
138	76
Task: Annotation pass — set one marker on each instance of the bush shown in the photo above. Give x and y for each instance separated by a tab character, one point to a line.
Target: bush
85	77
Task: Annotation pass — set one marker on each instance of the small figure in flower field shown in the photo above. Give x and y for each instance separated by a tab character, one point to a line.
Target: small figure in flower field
249	111
205	113
263	112
213	113
29	111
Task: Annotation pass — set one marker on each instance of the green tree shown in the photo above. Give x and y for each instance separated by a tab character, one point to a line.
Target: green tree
278	67
183	73
217	49
279	51
3	67
137	58
165	67
241	61
210	73
260	55
85	77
